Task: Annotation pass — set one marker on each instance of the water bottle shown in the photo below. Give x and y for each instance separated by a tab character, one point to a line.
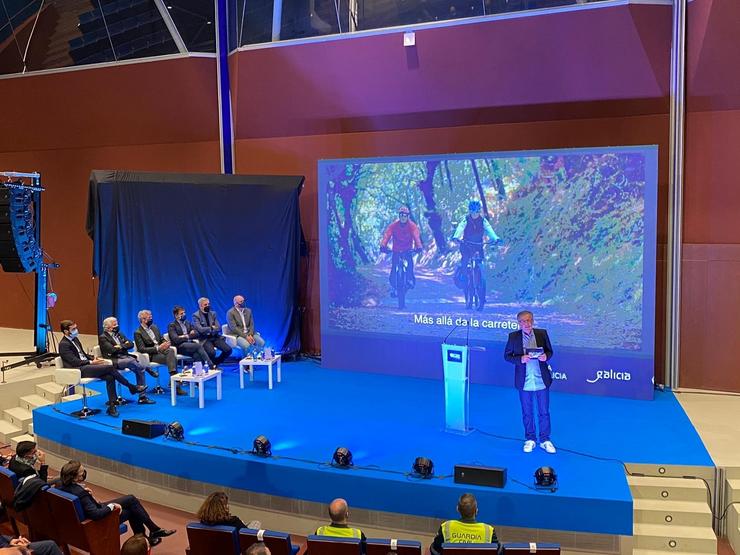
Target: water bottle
206	369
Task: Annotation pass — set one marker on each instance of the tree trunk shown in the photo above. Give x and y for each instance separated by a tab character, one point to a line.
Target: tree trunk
480	189
433	218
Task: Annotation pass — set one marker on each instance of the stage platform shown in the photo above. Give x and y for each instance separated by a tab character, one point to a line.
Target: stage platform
386	422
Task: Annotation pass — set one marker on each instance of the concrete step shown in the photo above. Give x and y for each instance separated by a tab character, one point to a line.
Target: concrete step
733	490
681	539
30	402
51	391
14	441
30	429
675	513
8	431
18	416
673	489
733	527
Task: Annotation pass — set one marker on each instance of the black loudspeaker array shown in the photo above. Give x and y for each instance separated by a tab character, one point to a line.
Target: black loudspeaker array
19	251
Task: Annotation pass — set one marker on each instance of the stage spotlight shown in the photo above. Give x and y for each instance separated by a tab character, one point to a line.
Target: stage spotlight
342	457
545	478
174	431
262	446
423	467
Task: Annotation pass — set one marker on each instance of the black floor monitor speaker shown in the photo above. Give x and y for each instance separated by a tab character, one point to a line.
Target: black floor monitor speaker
480	475
143	428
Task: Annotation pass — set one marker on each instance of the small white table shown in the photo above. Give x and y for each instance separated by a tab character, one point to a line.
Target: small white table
248	364
200	380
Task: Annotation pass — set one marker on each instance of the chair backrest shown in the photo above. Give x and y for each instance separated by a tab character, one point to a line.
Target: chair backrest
42	524
383	546
8	483
277	542
206	540
329	545
58	363
94	536
469	548
225	330
551	548
67	376
97	353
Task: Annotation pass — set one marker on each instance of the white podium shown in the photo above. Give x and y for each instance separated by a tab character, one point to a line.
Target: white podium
457	387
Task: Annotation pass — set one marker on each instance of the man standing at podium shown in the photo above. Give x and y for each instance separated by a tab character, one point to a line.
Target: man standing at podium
528	350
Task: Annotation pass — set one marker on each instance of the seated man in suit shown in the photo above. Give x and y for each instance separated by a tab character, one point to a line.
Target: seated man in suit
182	335
74	356
149	340
29	461
241	325
206	324
72	478
21	545
114	345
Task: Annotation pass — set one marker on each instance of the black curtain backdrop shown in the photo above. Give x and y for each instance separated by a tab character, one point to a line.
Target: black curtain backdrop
165	239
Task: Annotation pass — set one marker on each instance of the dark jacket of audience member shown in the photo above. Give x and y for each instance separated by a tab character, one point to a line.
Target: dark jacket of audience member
215	511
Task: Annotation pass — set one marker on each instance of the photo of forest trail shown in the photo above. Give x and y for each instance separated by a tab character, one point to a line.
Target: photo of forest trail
571	229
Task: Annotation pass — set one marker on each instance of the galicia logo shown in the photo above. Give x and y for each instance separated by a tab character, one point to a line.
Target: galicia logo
557	375
611	375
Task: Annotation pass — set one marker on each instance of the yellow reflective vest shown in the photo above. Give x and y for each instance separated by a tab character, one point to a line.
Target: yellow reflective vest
339	531
456	531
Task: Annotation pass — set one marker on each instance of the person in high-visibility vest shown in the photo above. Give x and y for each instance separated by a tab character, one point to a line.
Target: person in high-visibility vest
339	527
466	529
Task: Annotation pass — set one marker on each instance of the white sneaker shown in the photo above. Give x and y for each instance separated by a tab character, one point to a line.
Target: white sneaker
548	446
528	446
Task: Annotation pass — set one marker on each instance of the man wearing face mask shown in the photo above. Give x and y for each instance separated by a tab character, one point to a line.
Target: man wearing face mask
183	336
29	461
149	340
241	325
74	356
114	345
206	324
72	478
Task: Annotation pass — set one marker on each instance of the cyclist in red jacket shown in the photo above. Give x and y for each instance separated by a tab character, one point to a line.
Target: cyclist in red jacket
405	236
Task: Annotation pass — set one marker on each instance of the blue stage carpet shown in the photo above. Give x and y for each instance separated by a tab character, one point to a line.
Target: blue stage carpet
388	421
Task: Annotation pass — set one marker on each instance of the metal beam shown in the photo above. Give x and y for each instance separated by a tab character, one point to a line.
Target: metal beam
171	27
675	192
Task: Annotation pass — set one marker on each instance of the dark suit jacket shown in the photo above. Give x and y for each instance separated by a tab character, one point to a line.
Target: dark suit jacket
92	509
112	351
70	356
202	323
515	350
174	332
144	343
22	470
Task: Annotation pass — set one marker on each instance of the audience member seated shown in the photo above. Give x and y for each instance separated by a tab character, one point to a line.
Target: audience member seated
72	479
149	340
206	324
114	345
466	529
339	527
29	461
215	512
22	545
241	325
136	545
258	548
74	356
184	337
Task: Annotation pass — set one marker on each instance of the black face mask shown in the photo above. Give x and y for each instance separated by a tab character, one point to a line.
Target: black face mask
182	318
116	329
149	322
206	309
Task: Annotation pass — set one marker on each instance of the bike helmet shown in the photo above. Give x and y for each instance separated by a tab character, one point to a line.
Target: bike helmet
474	206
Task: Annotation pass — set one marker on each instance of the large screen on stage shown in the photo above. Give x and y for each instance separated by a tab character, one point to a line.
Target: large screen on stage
416	248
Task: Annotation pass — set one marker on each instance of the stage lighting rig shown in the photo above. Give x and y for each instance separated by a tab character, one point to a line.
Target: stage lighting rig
342	457
545	478
262	447
423	467
174	431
